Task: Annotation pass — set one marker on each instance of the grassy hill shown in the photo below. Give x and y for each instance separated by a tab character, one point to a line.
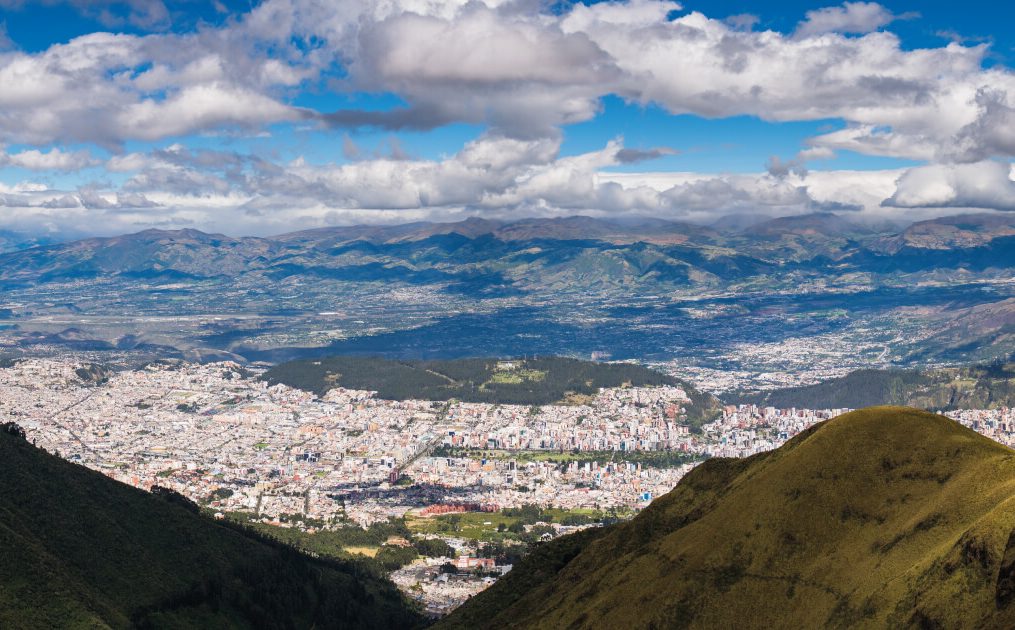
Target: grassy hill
78	550
885	517
975	387
539	381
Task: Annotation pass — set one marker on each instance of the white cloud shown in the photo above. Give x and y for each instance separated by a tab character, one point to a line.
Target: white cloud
201	107
464	63
816	153
851	17
107	88
977	185
522	72
52	160
492	176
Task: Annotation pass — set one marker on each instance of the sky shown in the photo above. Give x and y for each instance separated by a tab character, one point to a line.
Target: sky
259	118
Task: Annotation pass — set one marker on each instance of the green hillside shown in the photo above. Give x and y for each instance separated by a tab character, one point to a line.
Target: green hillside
538	381
78	550
885	517
974	387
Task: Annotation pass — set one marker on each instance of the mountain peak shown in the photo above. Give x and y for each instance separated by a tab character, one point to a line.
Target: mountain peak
882	517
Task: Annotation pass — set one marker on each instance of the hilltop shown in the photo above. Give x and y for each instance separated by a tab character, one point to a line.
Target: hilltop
81	550
539	381
885	517
973	387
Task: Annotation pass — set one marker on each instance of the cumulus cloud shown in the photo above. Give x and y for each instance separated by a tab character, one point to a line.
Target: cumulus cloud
465	62
62	201
52	160
986	185
896	102
521	72
107	89
851	17
494	176
8	200
522	75
993	130
201	107
776	167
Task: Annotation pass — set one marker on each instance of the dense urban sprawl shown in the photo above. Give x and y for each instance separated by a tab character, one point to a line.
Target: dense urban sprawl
226	439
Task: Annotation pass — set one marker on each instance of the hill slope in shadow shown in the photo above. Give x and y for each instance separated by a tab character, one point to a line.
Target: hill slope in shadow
78	549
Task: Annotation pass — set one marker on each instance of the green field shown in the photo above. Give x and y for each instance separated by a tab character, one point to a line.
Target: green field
470	525
514	377
648	459
369	552
485	526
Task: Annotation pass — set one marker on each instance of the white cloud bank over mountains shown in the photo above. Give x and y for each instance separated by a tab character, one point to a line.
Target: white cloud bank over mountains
522	73
492	176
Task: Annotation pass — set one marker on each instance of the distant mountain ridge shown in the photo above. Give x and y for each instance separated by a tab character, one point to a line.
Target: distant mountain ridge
13	241
822	261
647	247
973	230
567	228
885	517
942	389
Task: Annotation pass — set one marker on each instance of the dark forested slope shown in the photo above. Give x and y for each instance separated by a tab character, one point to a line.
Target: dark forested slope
80	550
538	381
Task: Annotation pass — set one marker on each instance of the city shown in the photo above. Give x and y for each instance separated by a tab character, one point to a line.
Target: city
285	458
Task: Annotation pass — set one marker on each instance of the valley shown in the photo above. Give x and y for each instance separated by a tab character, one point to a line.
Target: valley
410	466
752	304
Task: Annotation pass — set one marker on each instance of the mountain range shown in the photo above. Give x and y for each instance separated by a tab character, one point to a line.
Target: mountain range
819	239
572	285
886	517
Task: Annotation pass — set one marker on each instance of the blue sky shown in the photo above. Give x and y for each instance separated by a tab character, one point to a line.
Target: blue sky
260	116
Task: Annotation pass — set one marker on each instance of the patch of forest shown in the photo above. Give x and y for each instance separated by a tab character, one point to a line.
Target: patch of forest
538	381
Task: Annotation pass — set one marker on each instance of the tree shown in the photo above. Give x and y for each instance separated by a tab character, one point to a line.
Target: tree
391	558
221	493
13	428
455	521
433	548
173	496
